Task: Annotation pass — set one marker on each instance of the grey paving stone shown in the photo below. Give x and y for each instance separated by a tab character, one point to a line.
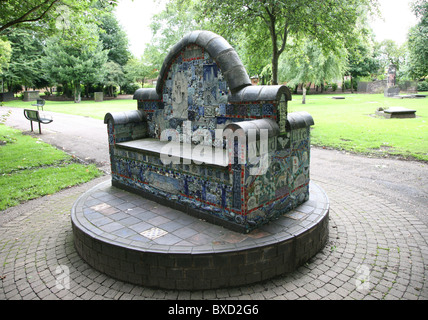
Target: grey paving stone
405	271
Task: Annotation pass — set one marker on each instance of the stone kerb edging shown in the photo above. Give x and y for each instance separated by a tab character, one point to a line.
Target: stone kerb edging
278	248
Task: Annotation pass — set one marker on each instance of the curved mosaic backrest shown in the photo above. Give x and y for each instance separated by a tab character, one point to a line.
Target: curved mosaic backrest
202	80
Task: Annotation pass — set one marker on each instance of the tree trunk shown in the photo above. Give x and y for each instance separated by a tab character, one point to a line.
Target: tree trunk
304	94
275	57
352	85
77	93
275	52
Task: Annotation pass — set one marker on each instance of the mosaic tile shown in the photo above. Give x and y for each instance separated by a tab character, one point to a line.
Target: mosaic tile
153	233
100	207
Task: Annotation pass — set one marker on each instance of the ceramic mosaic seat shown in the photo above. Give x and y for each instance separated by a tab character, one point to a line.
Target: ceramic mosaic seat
207	142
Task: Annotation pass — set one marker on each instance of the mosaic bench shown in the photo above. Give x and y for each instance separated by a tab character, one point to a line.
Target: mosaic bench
208	143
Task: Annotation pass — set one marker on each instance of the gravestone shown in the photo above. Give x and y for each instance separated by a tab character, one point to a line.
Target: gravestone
31	95
391	76
396	112
400	112
410	96
98	96
6	96
392	92
391	89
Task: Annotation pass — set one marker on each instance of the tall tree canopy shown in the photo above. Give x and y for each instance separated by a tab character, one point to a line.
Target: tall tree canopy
169	26
418	41
331	22
65	42
114	38
25	63
5	54
389	52
307	64
34	13
77	57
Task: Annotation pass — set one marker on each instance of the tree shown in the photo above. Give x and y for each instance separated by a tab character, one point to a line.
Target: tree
77	57
389	52
113	38
255	57
5	54
16	12
114	76
418	42
41	13
307	63
330	22
168	27
362	60
137	70
25	63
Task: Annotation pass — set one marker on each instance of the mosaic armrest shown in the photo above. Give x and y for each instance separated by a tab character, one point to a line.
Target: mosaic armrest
126	126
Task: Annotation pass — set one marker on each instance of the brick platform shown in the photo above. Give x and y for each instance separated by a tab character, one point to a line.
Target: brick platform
141	242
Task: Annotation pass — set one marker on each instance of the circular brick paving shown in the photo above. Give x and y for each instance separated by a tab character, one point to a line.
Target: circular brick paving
142	242
366	233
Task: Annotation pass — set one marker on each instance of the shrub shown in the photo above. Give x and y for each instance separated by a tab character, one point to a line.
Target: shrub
423	85
130	88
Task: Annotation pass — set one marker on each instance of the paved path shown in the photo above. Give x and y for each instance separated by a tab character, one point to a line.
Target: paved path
83	137
375	236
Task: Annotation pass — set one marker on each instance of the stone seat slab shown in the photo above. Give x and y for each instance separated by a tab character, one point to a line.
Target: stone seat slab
177	150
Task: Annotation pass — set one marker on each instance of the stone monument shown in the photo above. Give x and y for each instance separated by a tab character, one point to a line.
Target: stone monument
396	112
31	95
98	96
391	89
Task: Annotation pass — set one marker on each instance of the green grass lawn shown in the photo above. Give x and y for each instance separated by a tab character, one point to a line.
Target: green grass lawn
30	168
86	108
350	124
340	124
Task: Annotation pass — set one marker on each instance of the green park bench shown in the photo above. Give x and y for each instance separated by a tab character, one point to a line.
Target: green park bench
34	115
40	103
